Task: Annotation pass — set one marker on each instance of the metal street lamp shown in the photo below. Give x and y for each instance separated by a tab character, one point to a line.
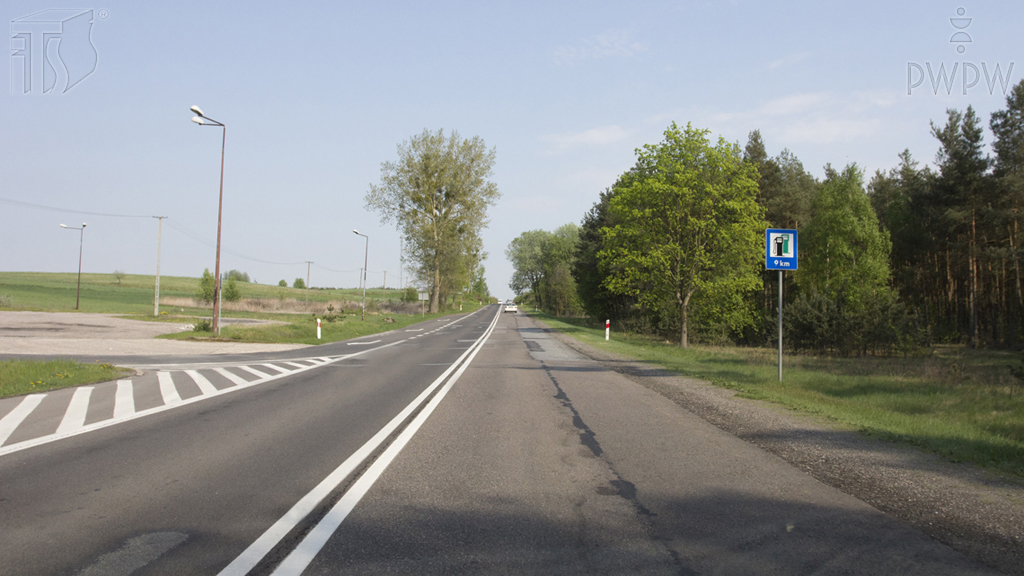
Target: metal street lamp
204	120
366	258
81	242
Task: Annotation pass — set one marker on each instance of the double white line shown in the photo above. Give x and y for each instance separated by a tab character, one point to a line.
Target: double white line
310	545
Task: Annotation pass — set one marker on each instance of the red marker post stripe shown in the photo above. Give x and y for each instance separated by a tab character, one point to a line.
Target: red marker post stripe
607	328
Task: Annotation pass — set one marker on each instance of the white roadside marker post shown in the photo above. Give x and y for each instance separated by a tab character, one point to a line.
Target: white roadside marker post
317	328
607	329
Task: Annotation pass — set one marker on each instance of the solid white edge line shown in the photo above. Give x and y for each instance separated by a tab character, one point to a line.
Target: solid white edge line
74	417
14	418
256	551
4	450
300	558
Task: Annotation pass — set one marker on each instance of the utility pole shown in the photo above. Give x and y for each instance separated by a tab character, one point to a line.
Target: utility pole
384	288
308	262
156	291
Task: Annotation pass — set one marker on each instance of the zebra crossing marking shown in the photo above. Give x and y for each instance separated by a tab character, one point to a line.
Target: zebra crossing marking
124	399
167	389
74	417
14	419
238	380
255	372
204	385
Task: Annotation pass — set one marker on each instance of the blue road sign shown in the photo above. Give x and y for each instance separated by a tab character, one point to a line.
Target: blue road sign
780	249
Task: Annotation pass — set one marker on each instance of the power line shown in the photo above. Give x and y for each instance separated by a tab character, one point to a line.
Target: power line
68	210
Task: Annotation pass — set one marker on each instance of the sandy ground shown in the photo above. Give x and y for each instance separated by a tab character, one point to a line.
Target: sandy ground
74	334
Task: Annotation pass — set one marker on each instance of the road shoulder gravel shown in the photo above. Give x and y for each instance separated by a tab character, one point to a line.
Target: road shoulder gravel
974	511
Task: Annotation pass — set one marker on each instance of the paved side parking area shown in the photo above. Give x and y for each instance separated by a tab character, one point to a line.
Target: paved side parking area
74	334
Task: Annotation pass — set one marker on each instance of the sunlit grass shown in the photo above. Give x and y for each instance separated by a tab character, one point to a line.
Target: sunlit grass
957	402
19	377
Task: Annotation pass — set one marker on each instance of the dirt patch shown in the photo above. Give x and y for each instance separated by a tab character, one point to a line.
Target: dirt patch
73	333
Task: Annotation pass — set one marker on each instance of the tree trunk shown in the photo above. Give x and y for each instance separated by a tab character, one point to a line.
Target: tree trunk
684	336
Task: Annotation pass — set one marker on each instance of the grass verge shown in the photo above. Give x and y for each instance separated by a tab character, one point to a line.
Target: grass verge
962	404
19	377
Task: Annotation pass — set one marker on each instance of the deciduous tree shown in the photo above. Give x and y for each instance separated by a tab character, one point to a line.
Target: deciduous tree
437	192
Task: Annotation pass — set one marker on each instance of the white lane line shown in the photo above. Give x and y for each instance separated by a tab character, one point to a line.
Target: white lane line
238	380
74	418
15	417
167	389
255	372
300	558
252	555
124	399
362	343
204	385
416	330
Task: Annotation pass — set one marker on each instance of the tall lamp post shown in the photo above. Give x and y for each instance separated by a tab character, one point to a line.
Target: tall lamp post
81	242
204	120
366	259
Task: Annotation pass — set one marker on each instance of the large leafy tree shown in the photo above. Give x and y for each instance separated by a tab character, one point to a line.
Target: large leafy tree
437	193
526	253
542	264
687	224
845	253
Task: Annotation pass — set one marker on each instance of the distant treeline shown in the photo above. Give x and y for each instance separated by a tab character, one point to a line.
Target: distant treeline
914	256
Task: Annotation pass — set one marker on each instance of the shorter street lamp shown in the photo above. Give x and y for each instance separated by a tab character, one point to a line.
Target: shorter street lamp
366	258
81	241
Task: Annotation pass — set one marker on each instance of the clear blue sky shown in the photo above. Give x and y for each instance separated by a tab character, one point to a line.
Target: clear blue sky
317	96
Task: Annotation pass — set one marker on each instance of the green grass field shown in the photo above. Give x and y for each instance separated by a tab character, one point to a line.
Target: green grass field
55	292
953	401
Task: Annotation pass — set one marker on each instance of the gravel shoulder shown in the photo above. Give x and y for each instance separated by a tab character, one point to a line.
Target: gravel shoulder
82	334
974	511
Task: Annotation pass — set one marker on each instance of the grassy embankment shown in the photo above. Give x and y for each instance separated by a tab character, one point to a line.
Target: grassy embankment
960	403
295	310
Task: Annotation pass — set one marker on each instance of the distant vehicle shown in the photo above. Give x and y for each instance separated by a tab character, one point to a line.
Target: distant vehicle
510	306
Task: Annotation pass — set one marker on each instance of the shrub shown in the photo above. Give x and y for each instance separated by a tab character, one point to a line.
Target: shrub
283	283
231	292
119	276
202	325
207	285
410	295
299	283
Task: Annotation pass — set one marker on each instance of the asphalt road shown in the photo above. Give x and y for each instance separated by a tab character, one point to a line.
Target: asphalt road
511	454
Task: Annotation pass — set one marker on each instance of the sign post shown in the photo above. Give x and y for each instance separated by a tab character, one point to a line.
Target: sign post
422	298
780	254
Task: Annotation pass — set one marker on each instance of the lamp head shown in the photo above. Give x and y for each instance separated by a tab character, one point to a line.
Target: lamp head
355	231
196	110
63	225
198	120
